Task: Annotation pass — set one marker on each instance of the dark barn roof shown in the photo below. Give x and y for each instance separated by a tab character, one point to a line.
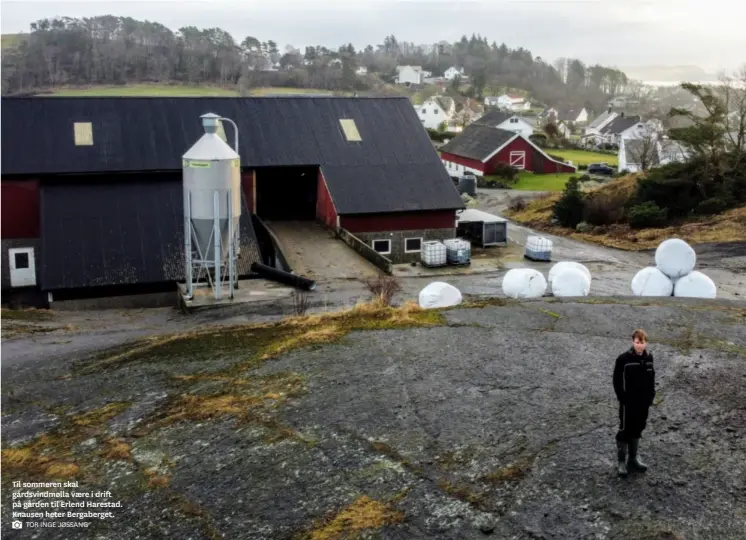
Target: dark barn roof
120	233
477	142
394	168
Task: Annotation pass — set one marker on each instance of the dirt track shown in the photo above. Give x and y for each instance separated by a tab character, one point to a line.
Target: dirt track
499	421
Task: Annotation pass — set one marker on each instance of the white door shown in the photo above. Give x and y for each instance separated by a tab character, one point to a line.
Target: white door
22	267
518	159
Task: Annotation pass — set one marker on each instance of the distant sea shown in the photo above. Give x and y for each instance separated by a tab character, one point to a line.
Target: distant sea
677	83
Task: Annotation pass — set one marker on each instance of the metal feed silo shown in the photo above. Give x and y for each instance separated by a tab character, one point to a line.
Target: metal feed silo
212	208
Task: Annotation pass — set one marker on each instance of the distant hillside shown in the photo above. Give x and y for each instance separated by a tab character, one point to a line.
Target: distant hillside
11	40
668	73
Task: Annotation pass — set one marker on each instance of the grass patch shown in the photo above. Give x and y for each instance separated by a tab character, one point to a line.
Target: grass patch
252	344
363	514
281	90
528	181
144	90
117	449
51	455
26	315
585	157
551	313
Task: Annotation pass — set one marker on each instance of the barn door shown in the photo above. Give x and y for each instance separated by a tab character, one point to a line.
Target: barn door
518	159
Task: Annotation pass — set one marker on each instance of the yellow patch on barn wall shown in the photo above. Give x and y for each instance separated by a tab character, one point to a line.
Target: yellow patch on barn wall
83	133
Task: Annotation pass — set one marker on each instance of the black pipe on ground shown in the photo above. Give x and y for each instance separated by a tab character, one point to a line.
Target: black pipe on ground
299	282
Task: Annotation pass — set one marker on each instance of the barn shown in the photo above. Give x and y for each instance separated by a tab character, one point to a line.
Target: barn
91	186
479	149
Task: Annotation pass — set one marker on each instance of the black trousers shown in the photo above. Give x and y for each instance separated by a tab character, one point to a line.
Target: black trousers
632	421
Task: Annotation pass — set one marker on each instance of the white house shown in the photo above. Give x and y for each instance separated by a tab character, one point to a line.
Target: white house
508	102
600	122
453	72
362	70
655	152
435	111
622	127
564	129
576	116
507	121
409	75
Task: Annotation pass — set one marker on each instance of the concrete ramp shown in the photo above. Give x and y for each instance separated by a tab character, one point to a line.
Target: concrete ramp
315	252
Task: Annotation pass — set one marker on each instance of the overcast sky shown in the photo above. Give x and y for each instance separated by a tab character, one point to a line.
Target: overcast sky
707	33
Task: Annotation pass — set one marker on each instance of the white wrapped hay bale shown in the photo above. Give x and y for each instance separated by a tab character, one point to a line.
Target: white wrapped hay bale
566	265
571	282
439	295
675	258
524	283
695	285
651	282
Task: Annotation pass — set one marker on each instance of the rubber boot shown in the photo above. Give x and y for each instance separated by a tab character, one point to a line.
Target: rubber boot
634	461
621	453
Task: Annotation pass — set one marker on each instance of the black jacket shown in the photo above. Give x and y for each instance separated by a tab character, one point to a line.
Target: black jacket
634	379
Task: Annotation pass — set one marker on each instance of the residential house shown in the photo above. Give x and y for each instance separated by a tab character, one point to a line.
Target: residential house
335	62
548	112
600	122
574	116
620	102
564	129
361	71
652	152
409	75
435	111
622	127
453	72
510	102
479	149
508	122
102	213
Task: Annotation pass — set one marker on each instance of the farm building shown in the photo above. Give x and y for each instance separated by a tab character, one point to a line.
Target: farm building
92	200
479	149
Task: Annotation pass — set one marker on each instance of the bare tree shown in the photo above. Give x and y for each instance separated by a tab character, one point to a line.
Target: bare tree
643	149
733	93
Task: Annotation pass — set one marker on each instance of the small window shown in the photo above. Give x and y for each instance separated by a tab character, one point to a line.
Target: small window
21	260
83	132
412	245
424	111
350	130
382	246
435	111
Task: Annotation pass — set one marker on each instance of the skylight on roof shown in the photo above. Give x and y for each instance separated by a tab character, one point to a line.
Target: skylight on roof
350	130
83	133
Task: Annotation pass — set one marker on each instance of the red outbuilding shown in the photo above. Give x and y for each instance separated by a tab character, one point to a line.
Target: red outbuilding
480	149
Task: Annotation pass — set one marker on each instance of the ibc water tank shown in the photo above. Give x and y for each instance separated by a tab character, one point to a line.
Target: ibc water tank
467	184
433	254
209	167
458	251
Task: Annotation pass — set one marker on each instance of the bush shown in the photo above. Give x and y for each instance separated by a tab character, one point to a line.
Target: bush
583	167
440	136
672	186
713	205
505	171
647	215
383	288
518	204
603	208
584	178
568	210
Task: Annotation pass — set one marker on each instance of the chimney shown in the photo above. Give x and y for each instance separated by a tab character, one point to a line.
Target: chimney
609	110
621	114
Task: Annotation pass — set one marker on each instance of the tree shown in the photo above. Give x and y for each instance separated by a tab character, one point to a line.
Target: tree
643	149
568	210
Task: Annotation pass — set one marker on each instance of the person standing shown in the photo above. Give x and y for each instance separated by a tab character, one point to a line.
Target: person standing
634	385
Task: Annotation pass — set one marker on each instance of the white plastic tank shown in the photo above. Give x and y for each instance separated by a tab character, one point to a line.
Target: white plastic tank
433	253
458	251
211	166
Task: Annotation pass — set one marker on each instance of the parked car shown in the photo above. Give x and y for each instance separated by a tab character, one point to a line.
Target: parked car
600	168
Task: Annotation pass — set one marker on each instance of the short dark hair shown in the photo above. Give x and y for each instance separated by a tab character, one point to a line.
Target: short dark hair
640	334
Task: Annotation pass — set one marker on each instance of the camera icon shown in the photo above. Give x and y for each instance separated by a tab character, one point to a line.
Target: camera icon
17	524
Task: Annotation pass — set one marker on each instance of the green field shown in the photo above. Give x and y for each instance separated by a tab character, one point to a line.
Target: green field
584	157
176	90
528	181
11	40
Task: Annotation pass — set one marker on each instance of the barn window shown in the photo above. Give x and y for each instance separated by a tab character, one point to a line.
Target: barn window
21	260
382	246
350	130
412	245
83	133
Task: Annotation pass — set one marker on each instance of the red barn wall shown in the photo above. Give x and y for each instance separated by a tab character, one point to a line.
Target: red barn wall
20	209
326	213
466	162
248	185
535	162
404	221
